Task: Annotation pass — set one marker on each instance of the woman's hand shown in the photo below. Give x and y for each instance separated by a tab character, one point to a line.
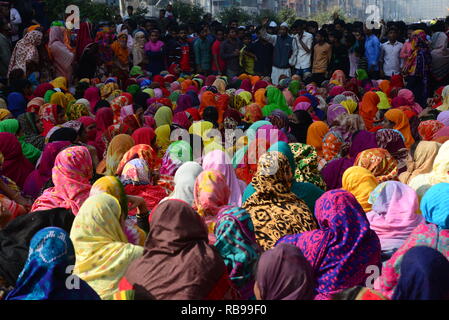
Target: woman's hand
139	203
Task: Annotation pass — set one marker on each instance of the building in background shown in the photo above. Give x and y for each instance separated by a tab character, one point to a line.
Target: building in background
407	10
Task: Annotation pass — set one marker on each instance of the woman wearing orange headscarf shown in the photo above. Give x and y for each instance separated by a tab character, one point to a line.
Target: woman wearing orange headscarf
384	85
186	84
315	136
368	108
396	119
121	57
259	98
208	99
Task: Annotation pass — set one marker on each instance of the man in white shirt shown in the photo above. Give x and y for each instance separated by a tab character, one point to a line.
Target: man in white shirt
390	59
302	47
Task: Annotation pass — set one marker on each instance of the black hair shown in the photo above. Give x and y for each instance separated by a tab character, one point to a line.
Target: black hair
19	85
340	22
312	24
64	134
322	33
336	34
299	23
130	7
102	104
80	88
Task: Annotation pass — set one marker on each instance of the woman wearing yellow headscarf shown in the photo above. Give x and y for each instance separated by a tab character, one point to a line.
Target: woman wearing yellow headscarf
439	174
162	139
360	182
59	99
350	105
107	89
102	250
200	127
5	114
246	96
59	82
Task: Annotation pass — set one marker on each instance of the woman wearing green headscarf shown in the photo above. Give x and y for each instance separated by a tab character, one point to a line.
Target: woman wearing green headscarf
305	191
136	71
361	74
29	151
275	100
32	128
251	134
294	87
164	115
48	95
133	89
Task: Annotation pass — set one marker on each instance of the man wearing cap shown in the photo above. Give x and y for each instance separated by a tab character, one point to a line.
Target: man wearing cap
283	50
272	28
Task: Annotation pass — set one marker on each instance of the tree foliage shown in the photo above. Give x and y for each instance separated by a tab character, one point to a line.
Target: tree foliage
287	15
329	16
266	13
234	13
187	13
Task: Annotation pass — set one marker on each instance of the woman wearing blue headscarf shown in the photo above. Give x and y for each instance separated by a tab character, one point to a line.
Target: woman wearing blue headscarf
47	274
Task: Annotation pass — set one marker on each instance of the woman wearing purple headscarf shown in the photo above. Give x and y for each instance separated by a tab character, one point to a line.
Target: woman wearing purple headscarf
184	102
283	273
333	172
333	112
39	177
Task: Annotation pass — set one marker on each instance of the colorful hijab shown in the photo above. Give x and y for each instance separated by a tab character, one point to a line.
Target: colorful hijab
70	175
393	141
401	124
211	194
178	263
368	108
103	253
315	135
432	233
428	129
177	153
283	273
343	246
45	274
119	145
184	181
306	159
394	214
39	177
422	162
275	100
283	212
15	166
380	162
424	275
236	243
360	182
220	161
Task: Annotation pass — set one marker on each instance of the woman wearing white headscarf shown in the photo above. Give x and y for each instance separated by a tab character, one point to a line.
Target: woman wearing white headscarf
184	182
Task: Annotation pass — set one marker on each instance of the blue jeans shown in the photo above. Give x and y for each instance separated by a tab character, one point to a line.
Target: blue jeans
301	72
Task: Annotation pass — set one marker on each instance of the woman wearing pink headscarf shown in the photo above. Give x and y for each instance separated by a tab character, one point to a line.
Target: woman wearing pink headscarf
92	95
62	56
71	174
410	98
220	161
394	215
